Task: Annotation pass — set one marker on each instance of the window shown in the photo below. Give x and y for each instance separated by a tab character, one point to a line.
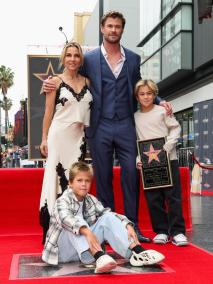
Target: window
150	47
168	5
172	27
150	16
151	68
171	57
168	47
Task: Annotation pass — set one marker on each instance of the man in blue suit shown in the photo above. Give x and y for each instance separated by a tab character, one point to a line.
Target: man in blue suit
113	71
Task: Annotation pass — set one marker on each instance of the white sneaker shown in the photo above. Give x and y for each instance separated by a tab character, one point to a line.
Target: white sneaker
105	263
147	257
160	239
180	240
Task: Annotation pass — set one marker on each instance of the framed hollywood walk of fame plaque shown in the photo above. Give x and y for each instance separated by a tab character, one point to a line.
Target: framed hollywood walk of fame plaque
156	169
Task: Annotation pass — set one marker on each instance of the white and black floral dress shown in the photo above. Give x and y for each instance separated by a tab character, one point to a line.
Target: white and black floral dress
66	140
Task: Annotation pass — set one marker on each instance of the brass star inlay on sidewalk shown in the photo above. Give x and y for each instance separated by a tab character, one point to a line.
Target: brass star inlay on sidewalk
32	267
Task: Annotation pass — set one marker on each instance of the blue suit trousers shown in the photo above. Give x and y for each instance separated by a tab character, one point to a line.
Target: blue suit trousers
116	137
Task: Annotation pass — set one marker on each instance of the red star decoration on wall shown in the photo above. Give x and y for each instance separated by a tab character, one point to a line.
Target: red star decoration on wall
43	76
152	154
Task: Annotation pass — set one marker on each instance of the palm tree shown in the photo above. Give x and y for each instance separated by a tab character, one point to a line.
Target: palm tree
6	81
6	104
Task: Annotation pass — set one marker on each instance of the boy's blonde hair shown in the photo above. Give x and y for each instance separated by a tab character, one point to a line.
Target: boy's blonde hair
64	51
79	167
149	83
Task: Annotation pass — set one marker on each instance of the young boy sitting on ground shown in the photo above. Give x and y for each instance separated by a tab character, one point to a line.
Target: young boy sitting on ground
79	224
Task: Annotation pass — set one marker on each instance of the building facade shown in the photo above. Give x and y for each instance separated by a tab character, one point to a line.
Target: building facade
131	11
80	21
177	52
20	127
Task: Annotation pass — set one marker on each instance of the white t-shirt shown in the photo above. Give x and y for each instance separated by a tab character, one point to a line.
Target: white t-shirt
155	124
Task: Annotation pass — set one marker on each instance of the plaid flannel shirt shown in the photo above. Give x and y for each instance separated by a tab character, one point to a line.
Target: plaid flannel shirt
64	216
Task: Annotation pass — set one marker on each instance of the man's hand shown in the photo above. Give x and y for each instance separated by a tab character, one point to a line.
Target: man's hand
48	85
167	106
132	234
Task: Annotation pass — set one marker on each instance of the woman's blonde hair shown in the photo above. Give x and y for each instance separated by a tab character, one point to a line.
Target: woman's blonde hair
149	83
79	167
64	51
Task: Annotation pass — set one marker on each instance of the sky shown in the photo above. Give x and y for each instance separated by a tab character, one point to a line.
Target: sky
31	27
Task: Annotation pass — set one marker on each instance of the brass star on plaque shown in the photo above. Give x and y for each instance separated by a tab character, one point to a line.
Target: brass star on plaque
152	154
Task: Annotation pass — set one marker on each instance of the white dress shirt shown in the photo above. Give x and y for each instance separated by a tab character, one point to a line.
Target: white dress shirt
117	70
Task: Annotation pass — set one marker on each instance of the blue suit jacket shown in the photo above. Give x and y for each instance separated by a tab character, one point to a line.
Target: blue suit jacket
92	69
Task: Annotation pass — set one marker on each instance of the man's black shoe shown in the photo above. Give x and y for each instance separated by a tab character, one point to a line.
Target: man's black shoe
141	237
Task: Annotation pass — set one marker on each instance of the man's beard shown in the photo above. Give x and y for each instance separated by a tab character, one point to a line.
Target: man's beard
113	41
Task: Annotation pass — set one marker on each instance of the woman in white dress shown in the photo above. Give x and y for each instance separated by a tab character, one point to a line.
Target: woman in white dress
67	113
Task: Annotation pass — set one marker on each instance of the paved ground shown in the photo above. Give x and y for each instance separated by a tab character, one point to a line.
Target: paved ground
202	219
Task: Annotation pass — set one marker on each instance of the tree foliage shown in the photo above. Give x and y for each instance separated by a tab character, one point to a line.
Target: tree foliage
6	79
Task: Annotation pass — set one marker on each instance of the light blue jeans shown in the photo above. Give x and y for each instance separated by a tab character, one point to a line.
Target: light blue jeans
108	227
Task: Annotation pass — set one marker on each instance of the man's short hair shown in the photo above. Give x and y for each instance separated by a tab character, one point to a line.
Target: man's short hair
113	14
